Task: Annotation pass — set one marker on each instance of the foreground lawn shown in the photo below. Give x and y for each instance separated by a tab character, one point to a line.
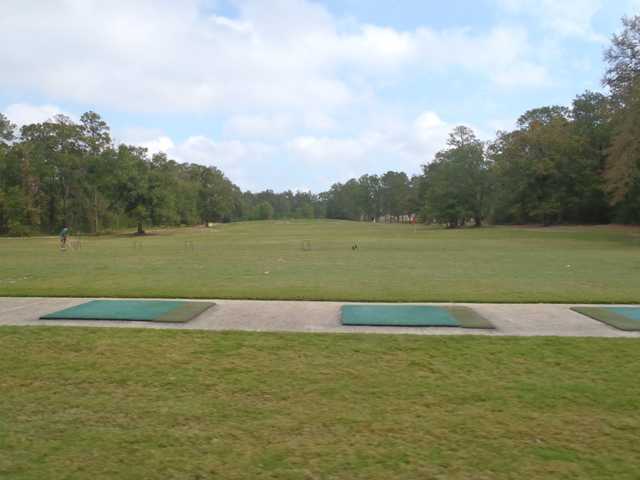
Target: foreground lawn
109	403
267	260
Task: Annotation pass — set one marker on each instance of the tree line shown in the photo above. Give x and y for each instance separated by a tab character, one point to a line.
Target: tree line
61	172
577	164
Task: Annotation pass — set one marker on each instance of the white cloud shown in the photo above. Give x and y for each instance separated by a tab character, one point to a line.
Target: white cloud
297	91
177	56
498	54
523	74
427	121
570	18
318	121
325	151
404	147
243	162
430	132
162	144
24	113
260	126
316	161
272	126
203	150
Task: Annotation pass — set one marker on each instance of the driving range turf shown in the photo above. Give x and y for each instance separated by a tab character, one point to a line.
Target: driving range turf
313	260
109	403
129	404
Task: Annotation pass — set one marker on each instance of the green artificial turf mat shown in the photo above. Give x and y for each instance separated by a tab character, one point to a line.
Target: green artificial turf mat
622	318
412	316
133	310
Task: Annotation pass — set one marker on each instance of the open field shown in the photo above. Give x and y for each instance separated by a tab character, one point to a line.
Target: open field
267	260
110	403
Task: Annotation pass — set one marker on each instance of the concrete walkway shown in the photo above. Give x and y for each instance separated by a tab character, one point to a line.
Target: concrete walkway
296	316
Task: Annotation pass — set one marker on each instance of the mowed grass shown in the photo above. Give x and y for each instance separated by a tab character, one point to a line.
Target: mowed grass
130	404
266	260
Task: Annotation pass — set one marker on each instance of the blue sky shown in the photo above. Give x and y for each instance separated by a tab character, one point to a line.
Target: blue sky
298	94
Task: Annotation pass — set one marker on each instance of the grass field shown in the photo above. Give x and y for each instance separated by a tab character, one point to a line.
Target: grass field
110	403
266	260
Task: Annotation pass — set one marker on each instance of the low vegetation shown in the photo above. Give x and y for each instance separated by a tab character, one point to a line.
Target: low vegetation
129	404
316	260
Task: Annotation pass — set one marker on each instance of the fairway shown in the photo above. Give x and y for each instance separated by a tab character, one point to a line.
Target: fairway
314	260
110	403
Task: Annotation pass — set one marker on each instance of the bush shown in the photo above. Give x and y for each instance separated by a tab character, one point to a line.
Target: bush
17	229
263	211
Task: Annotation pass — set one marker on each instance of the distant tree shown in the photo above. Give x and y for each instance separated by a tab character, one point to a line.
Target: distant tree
217	196
6	135
95	133
264	211
7	130
369	193
98	150
60	171
623	78
623	59
545	173
342	201
53	154
133	194
416	195
623	164
542	116
304	210
456	183
591	116
394	192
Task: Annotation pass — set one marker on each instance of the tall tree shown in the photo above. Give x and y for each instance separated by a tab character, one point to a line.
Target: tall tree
623	78
543	174
394	192
370	195
623	164
456	183
623	59
591	116
7	130
96	138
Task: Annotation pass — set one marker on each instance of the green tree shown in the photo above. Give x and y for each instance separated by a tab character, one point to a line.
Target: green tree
623	164
543	172
591	116
394	193
623	78
623	59
369	193
342	201
456	183
53	151
98	152
7	131
264	211
132	194
60	171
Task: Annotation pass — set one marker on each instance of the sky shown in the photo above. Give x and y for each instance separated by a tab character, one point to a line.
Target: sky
300	94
